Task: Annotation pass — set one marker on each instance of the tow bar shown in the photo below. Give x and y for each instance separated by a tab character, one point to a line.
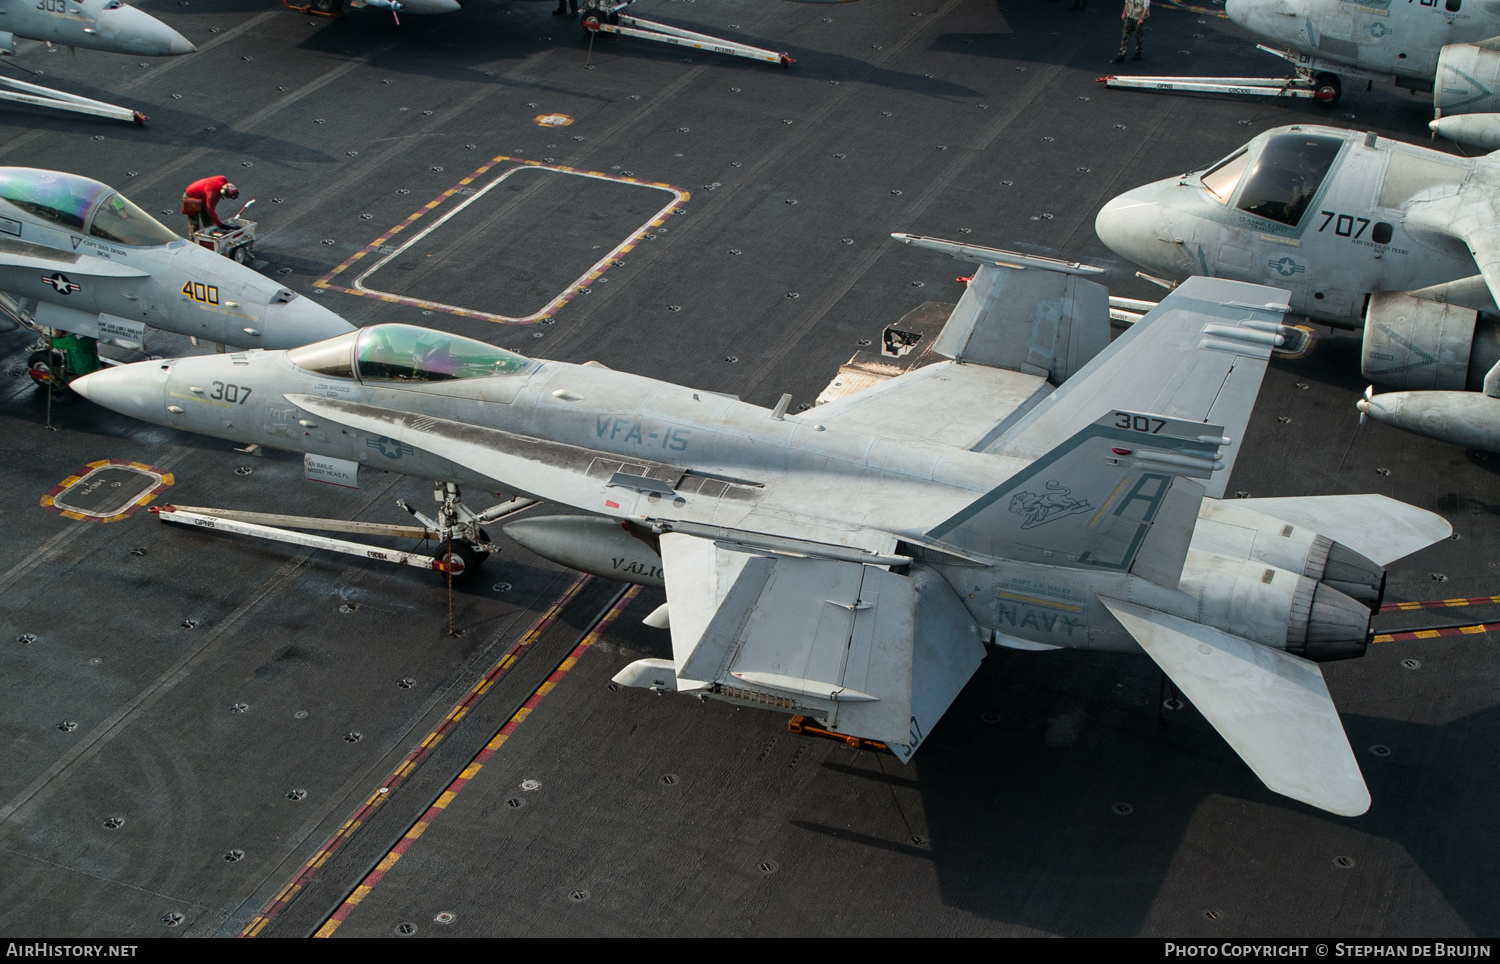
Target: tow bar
1315	79
604	16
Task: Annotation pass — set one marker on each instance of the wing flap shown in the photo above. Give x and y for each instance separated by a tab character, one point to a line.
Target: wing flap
1272	707
868	652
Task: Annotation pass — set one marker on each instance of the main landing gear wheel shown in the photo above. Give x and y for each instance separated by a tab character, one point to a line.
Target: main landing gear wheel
1327	89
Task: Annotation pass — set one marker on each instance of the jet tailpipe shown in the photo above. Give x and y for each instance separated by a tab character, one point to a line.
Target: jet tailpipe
1326	624
1351	573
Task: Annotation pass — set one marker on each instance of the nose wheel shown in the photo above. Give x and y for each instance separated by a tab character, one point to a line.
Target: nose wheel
1327	89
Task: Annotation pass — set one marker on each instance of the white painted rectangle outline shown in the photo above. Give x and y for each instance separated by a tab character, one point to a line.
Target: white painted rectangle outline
594	270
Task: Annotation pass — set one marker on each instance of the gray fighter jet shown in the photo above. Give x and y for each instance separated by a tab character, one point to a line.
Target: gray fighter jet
1362	231
77	256
109	25
1450	47
849	563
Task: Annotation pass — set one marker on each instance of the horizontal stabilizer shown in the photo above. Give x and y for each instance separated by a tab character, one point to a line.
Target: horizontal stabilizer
1381	529
1272	707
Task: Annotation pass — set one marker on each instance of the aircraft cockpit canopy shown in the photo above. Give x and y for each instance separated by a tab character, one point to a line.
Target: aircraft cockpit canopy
1279	183
81	204
406	353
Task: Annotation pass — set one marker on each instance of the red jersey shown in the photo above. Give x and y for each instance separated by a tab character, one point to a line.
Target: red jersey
207	191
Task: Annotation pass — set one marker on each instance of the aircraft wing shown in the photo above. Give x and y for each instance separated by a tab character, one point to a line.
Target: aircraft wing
1018	329
1198	356
867	652
1472	216
39	257
1272	707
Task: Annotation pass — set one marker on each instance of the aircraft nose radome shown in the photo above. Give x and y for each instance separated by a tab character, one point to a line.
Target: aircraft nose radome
128	30
1128	226
300	322
136	390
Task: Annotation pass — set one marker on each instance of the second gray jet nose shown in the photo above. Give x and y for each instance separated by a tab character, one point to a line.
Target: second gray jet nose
299	322
1130	226
128	30
138	390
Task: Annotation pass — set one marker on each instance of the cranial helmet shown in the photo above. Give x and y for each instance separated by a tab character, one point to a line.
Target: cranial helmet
230	191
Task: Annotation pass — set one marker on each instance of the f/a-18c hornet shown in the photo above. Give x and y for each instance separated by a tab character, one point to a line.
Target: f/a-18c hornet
833	564
1450	47
109	25
1362	230
76	256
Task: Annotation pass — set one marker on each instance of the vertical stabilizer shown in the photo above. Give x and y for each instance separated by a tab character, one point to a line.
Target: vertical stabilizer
1091	501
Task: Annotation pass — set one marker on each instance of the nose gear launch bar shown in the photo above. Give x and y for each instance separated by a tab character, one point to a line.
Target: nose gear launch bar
604	16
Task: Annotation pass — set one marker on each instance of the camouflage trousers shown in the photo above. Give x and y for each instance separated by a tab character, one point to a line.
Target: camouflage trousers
1136	28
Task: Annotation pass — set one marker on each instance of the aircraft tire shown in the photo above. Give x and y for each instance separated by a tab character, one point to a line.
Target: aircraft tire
1327	89
465	555
41	365
242	254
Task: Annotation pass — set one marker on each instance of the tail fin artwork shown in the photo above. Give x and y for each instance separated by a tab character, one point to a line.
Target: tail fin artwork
1091	501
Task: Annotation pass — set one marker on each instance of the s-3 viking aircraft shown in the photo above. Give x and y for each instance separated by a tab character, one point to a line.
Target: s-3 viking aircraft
834	565
1448	47
77	256
1362	231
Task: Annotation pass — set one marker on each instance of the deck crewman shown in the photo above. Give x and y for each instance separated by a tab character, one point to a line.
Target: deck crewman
1134	15
200	199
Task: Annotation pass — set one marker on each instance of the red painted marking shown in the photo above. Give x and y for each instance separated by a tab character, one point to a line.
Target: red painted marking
1474	630
1439	604
446	797
404	769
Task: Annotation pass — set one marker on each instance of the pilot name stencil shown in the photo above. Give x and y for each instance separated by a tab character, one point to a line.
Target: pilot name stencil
1040	509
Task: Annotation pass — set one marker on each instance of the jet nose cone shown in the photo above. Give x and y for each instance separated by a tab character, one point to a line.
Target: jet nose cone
137	390
1129	226
128	30
301	321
